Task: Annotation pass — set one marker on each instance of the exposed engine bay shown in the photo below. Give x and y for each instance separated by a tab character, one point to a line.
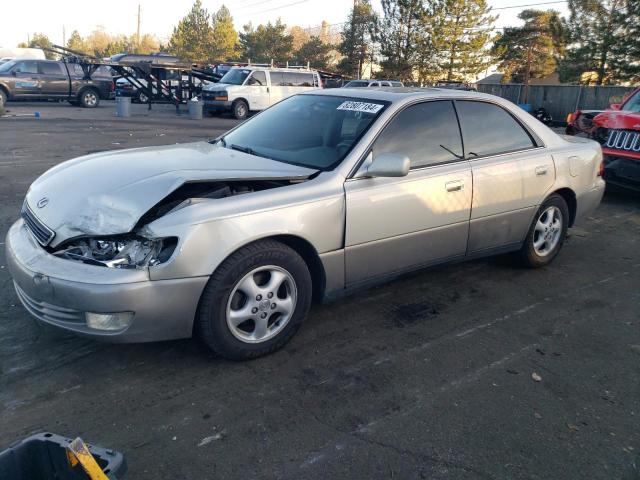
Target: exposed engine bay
132	250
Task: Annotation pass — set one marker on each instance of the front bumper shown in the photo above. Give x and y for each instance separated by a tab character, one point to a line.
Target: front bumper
58	292
622	171
216	105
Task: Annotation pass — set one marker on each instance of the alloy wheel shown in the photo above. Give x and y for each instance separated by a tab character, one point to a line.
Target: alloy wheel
261	304
547	231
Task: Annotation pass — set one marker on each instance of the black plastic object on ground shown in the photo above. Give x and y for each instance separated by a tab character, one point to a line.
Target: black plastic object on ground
43	457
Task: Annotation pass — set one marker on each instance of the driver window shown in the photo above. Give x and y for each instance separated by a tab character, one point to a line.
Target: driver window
26	67
258	78
427	133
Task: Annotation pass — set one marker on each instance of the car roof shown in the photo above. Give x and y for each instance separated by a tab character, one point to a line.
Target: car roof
398	94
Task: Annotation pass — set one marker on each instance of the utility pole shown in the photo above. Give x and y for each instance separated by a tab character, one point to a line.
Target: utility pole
64	36
138	30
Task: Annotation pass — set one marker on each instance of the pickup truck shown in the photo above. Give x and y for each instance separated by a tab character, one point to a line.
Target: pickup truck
52	80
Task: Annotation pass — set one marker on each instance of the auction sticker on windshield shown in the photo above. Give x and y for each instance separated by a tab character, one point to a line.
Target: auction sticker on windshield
360	107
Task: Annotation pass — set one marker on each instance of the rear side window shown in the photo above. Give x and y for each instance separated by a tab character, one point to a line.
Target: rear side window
490	130
257	78
427	133
277	79
48	68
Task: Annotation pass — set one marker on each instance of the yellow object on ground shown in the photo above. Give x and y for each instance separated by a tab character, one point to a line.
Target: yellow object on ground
78	452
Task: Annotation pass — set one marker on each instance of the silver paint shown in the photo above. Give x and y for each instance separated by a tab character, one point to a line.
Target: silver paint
359	228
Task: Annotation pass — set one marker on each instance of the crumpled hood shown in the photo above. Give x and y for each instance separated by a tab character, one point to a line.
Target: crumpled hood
107	193
618	119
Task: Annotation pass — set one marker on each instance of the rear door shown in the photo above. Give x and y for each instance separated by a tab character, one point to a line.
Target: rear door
512	174
26	79
278	88
54	81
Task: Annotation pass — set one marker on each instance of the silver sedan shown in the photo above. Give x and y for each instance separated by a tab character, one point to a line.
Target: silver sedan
323	193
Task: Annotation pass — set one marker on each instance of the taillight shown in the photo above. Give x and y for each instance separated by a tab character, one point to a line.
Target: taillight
601	169
570	118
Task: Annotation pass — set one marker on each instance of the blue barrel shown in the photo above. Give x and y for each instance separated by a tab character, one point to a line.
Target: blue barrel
526	107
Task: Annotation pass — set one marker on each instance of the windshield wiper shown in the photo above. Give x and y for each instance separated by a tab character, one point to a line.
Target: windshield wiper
249	150
242	148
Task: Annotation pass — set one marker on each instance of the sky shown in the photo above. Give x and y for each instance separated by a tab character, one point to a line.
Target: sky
21	18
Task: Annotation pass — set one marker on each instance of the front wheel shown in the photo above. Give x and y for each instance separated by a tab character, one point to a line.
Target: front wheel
240	110
547	233
89	98
255	301
3	98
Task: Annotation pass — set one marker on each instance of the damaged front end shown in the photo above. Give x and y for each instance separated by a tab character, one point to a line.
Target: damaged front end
123	251
134	249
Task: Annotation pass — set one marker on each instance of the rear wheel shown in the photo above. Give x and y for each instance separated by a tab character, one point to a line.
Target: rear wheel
89	98
547	233
240	109
255	301
3	98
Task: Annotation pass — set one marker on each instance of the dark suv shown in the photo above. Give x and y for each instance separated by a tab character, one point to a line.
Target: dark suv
51	80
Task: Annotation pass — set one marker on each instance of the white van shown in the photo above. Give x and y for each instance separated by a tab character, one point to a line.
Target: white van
245	89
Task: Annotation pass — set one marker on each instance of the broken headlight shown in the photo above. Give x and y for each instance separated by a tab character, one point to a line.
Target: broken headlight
128	251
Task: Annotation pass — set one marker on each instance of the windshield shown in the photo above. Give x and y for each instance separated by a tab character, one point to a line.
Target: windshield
5	67
314	131
632	104
235	76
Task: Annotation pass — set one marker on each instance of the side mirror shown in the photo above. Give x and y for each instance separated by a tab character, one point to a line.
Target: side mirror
388	165
14	72
615	106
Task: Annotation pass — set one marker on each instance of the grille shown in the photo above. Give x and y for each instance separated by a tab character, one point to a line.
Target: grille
623	140
47	312
39	230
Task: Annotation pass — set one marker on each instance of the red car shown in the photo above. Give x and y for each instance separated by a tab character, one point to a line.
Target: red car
618	131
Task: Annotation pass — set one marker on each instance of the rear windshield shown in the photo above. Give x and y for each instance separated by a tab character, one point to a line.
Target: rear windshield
357	83
314	131
235	76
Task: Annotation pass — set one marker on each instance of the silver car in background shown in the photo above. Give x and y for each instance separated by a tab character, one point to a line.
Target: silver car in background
323	193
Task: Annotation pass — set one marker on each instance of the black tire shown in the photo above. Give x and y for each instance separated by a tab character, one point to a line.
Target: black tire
89	98
3	98
529	256
240	109
211	319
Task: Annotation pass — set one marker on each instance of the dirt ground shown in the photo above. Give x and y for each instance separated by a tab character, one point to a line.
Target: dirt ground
426	377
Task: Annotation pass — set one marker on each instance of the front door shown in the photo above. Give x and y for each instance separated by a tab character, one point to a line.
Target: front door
257	90
26	79
54	82
511	175
397	224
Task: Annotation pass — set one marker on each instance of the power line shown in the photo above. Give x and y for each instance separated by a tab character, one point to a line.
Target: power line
529	5
278	8
248	5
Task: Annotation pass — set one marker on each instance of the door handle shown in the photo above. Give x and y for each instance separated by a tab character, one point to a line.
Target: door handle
541	170
454	186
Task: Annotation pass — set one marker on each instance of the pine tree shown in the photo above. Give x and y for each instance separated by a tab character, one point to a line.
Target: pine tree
266	43
314	52
192	37
225	44
401	35
460	35
529	51
77	43
40	40
598	36
357	39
